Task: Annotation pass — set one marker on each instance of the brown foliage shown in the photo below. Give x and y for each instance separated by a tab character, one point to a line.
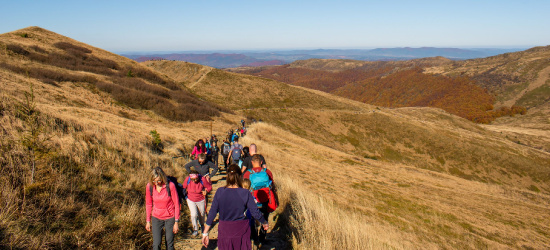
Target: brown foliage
17	49
138	84
75	58
140	99
150	76
38	49
49	76
70	46
317	79
400	85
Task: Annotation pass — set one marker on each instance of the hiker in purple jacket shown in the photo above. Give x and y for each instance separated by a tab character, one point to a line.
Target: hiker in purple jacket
231	202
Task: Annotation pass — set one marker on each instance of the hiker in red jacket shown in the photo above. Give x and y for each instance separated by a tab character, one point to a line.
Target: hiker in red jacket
264	190
197	187
162	208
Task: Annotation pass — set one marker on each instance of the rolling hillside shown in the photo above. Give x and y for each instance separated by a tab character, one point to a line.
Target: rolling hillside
75	157
391	84
509	90
376	151
519	78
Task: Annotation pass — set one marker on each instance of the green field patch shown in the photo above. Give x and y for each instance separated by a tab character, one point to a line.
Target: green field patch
535	97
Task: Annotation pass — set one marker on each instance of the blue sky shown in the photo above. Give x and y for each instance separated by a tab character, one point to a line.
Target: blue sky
236	25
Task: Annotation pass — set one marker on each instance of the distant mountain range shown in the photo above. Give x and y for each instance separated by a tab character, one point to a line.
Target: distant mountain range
232	59
216	60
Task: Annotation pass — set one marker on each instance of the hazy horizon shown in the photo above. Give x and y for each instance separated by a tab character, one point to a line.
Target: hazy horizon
309	49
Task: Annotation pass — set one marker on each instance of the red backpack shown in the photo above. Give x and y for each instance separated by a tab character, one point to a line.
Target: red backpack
262	193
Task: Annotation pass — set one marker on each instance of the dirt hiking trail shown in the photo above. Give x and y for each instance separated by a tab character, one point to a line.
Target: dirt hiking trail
204	74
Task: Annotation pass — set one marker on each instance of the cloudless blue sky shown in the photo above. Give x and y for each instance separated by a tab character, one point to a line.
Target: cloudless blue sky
244	24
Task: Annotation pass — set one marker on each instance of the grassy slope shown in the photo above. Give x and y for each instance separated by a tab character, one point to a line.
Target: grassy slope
92	156
505	75
520	78
428	176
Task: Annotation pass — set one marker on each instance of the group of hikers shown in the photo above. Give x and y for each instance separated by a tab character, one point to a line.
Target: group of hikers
243	204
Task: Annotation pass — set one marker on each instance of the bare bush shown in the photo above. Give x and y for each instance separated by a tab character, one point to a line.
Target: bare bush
150	76
38	49
160	105
49	76
138	84
70	46
17	49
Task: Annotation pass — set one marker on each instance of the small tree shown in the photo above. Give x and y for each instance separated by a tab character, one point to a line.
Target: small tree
31	137
156	142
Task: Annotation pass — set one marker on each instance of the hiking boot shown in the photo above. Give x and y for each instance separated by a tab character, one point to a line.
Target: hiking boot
195	233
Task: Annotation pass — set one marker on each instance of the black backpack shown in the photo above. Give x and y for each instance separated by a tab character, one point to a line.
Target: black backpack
226	148
214	146
179	188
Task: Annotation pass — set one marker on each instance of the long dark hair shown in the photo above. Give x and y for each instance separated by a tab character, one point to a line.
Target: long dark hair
234	176
203	148
246	152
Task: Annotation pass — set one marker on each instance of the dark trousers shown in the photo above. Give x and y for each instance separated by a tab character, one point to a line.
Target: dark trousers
225	160
259	236
215	157
168	226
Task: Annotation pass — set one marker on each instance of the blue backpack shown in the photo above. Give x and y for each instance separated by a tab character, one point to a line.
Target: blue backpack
236	154
259	180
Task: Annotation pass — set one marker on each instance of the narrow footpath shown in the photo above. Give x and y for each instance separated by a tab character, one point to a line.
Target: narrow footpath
274	240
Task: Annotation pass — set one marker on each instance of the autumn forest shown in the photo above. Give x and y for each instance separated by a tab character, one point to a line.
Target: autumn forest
396	84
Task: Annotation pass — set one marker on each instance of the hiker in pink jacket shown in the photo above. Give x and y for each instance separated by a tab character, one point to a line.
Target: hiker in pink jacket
162	208
197	187
199	148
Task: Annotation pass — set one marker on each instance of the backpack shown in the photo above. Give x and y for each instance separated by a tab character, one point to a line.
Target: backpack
259	180
261	184
226	148
189	181
266	195
214	146
236	154
179	188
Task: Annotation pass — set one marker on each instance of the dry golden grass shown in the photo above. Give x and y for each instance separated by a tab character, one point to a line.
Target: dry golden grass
393	205
91	185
